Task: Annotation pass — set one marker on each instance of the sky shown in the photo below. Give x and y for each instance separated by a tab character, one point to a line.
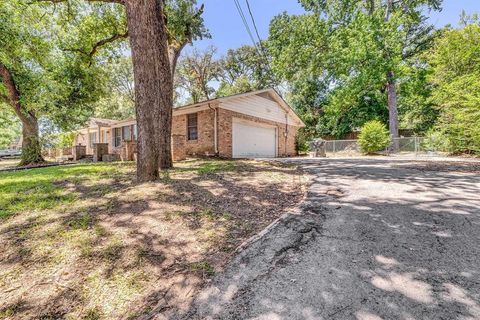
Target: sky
228	31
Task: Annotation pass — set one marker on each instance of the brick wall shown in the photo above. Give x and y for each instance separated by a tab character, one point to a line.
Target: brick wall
204	145
286	145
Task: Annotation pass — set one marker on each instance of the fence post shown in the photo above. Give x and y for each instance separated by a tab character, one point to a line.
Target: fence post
334	149
416	146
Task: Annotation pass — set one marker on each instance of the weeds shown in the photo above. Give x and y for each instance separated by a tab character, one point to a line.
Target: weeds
203	267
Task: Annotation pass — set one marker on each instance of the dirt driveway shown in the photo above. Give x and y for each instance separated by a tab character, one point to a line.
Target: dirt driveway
376	239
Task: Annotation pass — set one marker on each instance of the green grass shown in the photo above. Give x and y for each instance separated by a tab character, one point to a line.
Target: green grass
214	167
42	188
113	241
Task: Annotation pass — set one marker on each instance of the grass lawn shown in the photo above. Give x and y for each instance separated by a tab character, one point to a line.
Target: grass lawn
88	242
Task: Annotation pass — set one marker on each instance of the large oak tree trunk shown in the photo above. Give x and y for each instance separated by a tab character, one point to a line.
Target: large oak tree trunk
31	148
153	86
392	93
392	110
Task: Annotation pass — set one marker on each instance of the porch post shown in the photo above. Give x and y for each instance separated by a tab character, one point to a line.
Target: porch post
88	139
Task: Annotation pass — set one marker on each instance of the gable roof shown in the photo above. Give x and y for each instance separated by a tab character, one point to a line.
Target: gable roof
100	122
264	93
270	94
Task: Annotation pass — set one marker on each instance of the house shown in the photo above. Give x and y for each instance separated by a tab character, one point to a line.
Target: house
249	125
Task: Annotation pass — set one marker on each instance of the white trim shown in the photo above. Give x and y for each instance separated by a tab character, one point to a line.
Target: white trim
197	108
124	123
254	123
278	99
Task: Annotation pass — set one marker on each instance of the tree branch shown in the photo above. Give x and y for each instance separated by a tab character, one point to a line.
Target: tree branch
105	1
103	42
13	96
99	44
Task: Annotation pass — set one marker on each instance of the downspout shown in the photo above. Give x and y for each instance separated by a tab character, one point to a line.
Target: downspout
215	129
286	132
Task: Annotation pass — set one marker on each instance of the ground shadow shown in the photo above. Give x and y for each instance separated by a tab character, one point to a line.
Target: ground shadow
172	235
396	241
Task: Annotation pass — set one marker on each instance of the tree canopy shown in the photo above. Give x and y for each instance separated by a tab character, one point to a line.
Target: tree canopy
41	76
344	63
119	103
246	69
350	56
455	61
196	71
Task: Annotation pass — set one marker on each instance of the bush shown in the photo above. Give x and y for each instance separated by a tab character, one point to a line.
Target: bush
436	141
65	140
301	141
374	137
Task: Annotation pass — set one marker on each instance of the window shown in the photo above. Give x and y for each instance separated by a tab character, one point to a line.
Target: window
135	132
117	137
192	126
126	133
92	138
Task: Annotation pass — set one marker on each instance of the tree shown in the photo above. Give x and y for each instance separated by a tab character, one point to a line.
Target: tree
158	31
10	127
39	79
246	69
356	49
455	61
196	71
119	104
301	58
416	110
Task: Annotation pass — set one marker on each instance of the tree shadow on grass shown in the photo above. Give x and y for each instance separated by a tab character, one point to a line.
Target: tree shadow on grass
131	249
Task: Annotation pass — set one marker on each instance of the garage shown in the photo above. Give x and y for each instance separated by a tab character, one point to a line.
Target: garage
250	140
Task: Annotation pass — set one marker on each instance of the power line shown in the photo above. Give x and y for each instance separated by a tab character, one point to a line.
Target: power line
245	23
256	29
261	52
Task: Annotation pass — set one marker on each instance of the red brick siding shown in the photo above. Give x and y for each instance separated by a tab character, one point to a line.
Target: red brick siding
205	144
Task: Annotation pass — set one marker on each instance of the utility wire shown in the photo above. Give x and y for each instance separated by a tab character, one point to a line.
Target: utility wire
262	52
245	23
256	30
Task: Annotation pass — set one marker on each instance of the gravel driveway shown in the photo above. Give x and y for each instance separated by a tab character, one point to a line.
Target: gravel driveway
375	239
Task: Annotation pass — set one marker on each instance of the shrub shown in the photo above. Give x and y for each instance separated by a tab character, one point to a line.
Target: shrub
436	141
373	137
301	141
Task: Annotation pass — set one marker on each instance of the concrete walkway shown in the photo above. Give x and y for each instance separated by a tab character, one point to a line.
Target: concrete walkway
376	239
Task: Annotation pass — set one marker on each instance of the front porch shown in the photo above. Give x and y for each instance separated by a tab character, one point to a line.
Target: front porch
108	140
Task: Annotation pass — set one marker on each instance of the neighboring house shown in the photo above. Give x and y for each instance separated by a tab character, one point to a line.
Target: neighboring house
254	124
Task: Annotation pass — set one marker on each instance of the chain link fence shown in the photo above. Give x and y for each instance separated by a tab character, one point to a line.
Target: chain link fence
345	147
408	146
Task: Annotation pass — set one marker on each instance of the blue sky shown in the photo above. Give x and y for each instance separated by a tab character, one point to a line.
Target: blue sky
226	27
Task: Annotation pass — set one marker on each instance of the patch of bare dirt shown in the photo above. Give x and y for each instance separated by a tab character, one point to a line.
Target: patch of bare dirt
124	250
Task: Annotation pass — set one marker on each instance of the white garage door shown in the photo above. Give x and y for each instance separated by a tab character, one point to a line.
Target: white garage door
253	141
